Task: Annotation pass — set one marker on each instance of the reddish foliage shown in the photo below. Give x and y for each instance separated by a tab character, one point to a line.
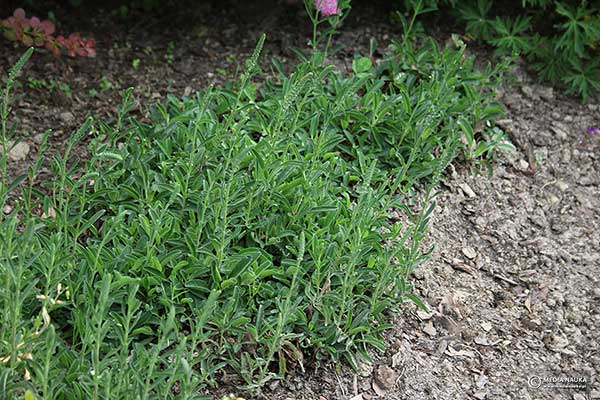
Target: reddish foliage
33	32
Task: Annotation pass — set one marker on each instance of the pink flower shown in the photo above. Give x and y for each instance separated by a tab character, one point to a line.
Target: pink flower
327	7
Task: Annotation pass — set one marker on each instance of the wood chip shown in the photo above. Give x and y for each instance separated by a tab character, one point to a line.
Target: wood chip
459	353
528	304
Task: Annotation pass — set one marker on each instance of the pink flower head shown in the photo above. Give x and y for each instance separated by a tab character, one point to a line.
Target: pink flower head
327	7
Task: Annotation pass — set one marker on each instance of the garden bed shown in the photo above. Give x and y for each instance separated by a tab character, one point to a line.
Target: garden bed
512	285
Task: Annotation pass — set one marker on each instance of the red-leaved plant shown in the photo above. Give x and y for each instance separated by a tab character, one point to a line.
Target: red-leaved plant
33	32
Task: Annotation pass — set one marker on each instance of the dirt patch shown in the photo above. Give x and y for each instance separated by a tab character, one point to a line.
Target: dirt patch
513	285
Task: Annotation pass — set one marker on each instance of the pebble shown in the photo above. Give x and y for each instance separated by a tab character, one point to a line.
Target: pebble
546	93
562	186
560	131
486	326
522	165
555	115
67	117
566	155
467	190
542	138
386	377
480	395
7	209
19	152
365	369
38	138
552	199
418	273
469	252
528	91
424	315
430	329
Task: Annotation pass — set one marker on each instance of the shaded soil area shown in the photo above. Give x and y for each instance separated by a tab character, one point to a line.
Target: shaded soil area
513	286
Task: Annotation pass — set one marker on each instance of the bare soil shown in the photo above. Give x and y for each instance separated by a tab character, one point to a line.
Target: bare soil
513	286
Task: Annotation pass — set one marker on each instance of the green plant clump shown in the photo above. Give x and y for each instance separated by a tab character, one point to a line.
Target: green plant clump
561	39
243	230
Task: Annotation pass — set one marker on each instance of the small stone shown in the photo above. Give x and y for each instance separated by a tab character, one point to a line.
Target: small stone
365	369
566	155
546	93
386	377
505	123
562	186
38	138
560	131
480	395
482	380
19	152
486	326
51	213
418	274
528	91
467	190
542	138
481	340
67	117
555	115
469	252
552	199
7	209
522	165
424	315
430	329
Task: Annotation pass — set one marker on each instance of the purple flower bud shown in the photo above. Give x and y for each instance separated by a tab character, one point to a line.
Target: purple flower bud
593	130
327	7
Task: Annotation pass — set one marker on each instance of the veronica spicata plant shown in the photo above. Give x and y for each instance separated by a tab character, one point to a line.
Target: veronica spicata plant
241	232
